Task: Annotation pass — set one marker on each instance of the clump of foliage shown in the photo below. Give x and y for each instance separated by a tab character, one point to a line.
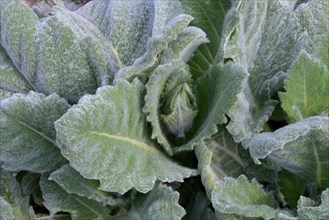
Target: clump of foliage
181	109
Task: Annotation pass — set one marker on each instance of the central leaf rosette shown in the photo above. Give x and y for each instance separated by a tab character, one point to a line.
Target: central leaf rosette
180	109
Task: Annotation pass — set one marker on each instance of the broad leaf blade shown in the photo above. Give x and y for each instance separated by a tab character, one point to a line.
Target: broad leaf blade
208	15
301	148
265	41
161	204
18	36
111	127
28	134
126	24
11	79
243	198
63	53
307	89
221	160
72	182
129	25
219	157
57	200
184	46
216	94
156	45
88	60
291	186
313	16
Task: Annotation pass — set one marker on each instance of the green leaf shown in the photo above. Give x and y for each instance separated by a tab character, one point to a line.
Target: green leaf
11	79
63	53
184	46
161	100
57	200
18	36
243	198
13	204
110	126
309	209
74	57
291	186
307	89
161	204
300	148
208	15
313	16
219	157
179	110
28	134
155	88
72	182
128	25
265	40
322	44
157	44
216	94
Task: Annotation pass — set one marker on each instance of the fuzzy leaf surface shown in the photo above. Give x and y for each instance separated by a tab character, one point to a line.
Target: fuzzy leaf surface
28	134
243	198
265	40
219	157
111	126
57	199
308	208
300	148
313	16
156	45
72	182
63	53
161	204
216	94
307	89
11	79
18	36
173	73
129	25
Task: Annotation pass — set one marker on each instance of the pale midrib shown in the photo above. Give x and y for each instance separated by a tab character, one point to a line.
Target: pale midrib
131	141
36	131
231	154
88	207
207	16
116	54
59	216
318	166
305	97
